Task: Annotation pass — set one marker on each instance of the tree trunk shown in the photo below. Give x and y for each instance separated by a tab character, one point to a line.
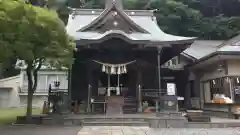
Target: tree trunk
30	94
32	86
29	106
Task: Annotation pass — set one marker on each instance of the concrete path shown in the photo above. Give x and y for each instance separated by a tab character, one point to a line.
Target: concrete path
123	130
39	130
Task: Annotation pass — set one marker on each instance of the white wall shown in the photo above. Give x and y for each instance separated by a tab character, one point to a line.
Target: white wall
12	82
38	100
16	94
46	77
213	74
4	97
233	67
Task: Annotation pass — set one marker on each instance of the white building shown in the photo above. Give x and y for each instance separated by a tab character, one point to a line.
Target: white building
13	90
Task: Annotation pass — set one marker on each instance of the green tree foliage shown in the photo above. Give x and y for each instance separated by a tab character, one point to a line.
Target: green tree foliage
206	19
35	36
176	17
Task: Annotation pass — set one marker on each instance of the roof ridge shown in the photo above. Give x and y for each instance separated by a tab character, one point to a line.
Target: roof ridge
101	10
230	41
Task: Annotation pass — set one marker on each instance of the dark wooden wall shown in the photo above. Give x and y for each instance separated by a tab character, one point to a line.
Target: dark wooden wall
115	51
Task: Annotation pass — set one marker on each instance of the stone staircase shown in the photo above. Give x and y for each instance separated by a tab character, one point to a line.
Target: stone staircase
119	120
130	105
114	122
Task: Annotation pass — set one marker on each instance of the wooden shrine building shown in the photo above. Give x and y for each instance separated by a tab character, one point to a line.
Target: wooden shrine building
119	53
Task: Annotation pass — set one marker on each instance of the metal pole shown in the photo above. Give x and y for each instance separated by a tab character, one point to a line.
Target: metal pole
159	70
109	80
109	83
159	76
231	89
118	80
140	98
89	98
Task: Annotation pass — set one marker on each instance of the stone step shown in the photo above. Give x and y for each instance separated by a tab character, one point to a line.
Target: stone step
130	104
133	110
114	119
129	107
129	110
115	123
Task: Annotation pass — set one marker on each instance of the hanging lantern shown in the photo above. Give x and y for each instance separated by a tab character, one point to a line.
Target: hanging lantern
227	80
119	70
106	69
103	68
112	70
124	69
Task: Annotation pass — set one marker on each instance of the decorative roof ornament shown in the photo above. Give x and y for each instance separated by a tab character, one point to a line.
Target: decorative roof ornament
115	13
115	23
116	3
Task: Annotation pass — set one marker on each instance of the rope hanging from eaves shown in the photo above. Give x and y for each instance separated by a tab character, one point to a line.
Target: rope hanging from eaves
114	68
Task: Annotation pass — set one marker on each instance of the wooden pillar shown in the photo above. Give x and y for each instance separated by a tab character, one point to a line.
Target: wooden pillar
139	76
159	69
89	88
159	49
187	96
70	85
198	87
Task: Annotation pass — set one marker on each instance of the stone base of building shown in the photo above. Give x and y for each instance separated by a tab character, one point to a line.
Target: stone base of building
147	120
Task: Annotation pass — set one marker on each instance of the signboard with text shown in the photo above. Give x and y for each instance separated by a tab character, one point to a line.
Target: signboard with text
171	89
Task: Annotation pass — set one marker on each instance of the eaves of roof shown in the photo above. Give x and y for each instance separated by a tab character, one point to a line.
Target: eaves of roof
214	54
188	56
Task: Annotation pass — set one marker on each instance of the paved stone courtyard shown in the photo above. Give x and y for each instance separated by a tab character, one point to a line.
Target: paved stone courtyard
123	130
116	130
110	130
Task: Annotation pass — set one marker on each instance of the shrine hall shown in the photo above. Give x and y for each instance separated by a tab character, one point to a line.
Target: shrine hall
118	61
